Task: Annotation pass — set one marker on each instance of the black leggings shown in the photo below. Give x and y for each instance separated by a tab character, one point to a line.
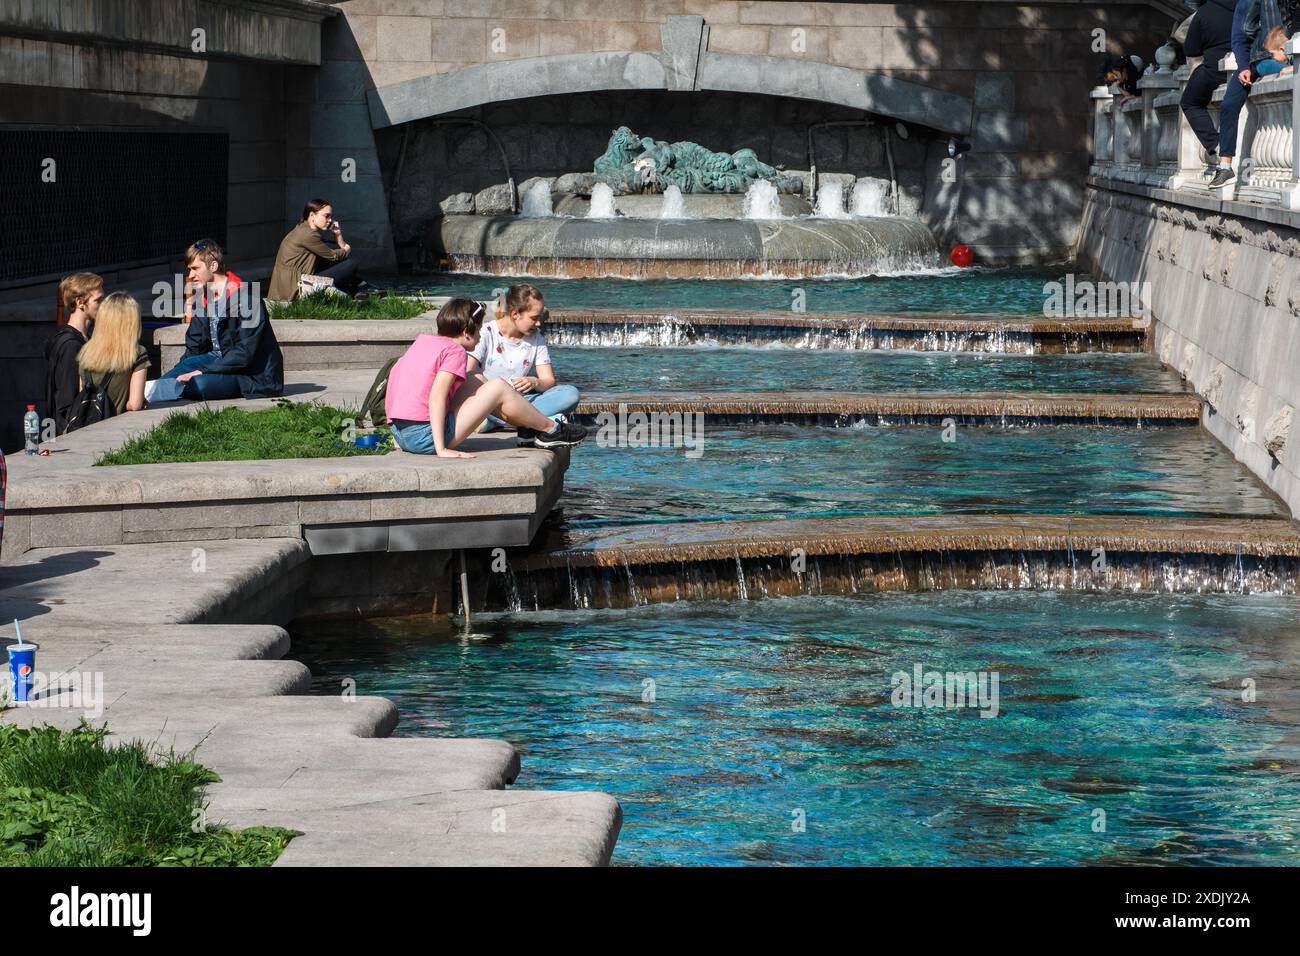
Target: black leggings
1196	98
345	275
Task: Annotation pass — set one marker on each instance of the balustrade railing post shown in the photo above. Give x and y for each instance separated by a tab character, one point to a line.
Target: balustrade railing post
1267	165
1293	47
1103	130
1154	123
1189	156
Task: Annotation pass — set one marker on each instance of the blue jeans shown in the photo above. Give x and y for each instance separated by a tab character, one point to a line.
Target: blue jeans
208	387
418	438
556	400
1233	100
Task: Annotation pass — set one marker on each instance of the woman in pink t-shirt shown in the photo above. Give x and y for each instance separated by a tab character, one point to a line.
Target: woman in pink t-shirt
430	384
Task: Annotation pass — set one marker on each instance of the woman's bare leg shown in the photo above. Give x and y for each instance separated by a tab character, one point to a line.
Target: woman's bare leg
476	400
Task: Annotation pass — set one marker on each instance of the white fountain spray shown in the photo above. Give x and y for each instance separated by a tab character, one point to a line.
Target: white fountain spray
537	200
830	201
674	206
602	202
762	201
869	198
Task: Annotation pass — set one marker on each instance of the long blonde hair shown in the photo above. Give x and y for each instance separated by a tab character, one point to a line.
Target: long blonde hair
113	344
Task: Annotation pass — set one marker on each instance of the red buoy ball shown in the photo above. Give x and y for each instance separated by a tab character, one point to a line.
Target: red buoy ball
962	256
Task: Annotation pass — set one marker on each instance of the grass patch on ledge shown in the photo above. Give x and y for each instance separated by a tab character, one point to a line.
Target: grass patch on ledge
66	799
324	305
288	430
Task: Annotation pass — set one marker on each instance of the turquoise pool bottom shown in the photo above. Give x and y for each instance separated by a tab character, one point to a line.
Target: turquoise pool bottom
999	291
1121	736
731	368
786	471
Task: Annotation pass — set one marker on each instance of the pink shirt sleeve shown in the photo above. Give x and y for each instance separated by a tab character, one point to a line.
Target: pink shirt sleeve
454	360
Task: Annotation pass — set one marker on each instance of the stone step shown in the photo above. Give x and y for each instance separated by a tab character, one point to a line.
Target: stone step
468	828
178	721
741	319
73	644
831	407
263	770
335	848
123	676
727	540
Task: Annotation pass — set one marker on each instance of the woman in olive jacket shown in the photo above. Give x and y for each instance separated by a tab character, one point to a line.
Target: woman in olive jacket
304	247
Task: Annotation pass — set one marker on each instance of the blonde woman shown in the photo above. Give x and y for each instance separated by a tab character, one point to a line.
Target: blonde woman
114	359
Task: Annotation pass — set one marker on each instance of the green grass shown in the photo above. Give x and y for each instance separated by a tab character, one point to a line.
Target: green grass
68	800
289	430
323	305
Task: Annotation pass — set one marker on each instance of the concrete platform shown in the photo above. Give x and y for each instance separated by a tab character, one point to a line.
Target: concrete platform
825	407
313	763
397	502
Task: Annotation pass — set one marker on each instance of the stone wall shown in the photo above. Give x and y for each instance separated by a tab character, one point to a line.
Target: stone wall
130	66
1224	285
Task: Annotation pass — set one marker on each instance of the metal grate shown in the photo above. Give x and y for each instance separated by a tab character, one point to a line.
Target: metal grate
119	197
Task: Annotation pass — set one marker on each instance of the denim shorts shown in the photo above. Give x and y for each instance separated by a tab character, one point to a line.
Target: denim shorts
417	438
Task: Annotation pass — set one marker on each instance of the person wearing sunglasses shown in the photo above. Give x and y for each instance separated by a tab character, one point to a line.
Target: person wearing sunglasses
305	248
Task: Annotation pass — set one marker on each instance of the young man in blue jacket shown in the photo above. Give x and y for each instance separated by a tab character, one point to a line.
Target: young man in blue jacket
1251	22
230	348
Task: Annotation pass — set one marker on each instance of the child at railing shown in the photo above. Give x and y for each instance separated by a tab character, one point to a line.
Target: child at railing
1121	71
1279	60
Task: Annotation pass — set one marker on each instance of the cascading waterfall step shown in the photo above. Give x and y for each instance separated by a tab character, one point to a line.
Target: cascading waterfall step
886	534
846	330
725	369
730	560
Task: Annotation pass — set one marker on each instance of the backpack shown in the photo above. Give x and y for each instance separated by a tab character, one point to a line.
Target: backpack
373	406
91	405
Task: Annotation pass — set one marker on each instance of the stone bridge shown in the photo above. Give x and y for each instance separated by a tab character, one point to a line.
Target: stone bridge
992	74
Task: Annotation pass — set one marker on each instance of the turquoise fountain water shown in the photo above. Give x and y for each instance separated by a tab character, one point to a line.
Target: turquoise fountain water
723	727
1004	292
767	731
789	471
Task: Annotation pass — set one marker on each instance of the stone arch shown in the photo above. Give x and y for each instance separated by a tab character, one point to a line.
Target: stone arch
673	69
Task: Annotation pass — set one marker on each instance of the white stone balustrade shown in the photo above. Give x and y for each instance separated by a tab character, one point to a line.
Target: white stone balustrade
1103	130
1148	140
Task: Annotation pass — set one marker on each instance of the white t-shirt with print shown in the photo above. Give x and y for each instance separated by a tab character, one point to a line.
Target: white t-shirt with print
500	357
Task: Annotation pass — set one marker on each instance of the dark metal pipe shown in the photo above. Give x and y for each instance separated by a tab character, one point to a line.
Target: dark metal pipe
469	121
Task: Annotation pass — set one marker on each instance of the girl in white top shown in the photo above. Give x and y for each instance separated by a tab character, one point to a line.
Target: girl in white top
512	347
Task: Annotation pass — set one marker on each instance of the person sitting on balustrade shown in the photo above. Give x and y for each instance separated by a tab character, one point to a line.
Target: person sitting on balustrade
1252	22
1279	61
1209	37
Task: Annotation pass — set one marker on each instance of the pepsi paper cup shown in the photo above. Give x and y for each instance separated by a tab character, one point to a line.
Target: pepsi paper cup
22	662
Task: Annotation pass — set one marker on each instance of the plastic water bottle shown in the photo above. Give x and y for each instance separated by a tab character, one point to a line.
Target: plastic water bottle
31	431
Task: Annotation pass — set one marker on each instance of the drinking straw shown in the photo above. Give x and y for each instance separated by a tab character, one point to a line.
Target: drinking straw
18	631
